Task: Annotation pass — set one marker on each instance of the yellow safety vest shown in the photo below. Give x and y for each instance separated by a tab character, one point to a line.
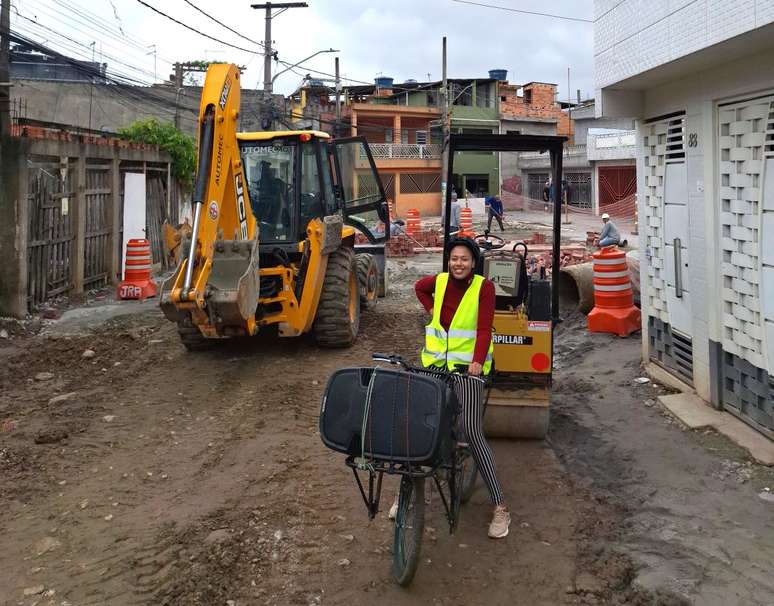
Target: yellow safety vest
455	348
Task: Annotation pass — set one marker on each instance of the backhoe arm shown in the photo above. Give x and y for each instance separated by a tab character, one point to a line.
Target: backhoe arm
217	280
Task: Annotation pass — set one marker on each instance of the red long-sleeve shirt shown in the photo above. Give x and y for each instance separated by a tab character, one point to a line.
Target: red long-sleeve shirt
455	290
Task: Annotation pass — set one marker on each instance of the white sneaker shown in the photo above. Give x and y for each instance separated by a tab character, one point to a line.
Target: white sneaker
501	520
393	510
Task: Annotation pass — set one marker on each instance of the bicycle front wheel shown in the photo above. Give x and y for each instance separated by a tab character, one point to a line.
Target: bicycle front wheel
409	525
468	473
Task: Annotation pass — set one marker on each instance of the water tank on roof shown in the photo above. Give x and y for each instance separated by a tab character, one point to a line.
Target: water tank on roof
383	82
498	74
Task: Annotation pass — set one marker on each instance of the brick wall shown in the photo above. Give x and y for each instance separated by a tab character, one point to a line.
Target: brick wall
566	128
538	101
541	99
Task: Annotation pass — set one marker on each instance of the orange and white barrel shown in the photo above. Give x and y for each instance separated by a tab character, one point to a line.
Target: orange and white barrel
137	282
614	311
466	222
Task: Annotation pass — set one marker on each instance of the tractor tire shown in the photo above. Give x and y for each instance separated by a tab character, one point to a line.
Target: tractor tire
368	280
338	313
191	337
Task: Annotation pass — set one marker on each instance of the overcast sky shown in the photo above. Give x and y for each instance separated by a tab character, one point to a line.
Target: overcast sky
397	38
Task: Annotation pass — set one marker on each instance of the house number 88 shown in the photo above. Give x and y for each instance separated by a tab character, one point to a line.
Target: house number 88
693	140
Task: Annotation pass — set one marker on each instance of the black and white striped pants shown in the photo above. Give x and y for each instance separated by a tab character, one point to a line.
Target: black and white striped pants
470	394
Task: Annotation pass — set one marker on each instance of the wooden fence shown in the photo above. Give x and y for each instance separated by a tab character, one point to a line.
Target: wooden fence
69	217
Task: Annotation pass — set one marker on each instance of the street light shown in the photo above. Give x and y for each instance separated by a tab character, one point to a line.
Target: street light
319	52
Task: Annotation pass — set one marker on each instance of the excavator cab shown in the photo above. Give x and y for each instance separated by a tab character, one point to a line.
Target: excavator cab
272	242
295	177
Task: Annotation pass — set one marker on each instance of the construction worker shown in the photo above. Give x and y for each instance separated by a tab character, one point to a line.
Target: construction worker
460	335
494	209
454	221
609	234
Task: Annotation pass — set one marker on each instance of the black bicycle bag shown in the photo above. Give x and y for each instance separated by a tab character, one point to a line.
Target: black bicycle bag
408	416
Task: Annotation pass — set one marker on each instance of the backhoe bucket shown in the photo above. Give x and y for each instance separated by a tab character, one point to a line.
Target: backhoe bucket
233	285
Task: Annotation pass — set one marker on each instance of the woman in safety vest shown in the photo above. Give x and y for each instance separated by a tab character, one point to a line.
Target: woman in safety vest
460	335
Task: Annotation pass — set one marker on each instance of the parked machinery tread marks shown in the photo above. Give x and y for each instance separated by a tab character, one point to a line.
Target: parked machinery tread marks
338	313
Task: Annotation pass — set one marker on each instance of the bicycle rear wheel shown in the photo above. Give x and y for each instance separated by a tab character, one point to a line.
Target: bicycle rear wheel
409	525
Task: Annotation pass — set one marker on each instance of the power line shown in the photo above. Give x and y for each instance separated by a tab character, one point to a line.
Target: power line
193	6
76	20
518	10
193	29
137	93
87	46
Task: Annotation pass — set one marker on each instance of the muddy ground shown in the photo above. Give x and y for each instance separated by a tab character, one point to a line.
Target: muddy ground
147	475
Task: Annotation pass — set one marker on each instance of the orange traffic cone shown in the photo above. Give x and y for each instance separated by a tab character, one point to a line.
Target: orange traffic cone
614	309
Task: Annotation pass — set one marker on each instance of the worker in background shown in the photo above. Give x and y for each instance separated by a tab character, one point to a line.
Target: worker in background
460	334
548	193
494	209
454	221
609	234
396	227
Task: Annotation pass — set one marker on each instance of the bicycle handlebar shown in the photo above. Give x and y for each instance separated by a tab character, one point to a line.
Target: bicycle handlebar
399	361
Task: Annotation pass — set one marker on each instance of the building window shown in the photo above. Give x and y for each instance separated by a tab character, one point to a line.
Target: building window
420	183
528	96
421	137
502	98
388	135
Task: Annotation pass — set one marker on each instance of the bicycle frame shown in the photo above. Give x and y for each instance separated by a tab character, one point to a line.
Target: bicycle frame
377	468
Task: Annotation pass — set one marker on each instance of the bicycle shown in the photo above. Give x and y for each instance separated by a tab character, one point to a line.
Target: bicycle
454	476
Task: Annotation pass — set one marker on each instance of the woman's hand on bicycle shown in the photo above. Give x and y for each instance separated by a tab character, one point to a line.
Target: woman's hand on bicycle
475	369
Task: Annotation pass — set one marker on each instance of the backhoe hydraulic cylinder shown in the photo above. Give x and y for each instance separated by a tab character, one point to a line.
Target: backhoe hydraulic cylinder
200	189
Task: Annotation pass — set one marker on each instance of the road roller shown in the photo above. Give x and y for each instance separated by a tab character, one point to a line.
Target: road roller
527	303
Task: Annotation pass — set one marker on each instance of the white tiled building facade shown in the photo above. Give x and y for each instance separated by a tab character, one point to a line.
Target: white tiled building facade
698	76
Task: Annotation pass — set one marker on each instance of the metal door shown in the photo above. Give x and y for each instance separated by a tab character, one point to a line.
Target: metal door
676	234
360	188
616	183
666	297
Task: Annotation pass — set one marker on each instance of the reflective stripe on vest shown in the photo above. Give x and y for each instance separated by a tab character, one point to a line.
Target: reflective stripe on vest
455	347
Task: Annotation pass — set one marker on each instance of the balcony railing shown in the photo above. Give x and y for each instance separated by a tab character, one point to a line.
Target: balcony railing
404	151
569	150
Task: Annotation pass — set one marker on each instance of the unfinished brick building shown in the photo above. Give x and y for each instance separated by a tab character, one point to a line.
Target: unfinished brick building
533	109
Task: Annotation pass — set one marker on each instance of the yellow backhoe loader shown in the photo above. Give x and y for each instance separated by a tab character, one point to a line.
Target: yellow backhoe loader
272	241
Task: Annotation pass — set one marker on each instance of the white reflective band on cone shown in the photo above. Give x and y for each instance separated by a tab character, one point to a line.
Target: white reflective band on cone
617	287
621	261
611	274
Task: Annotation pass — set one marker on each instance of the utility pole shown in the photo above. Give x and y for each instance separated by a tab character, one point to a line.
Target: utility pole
267	50
178	89
5	68
444	127
337	128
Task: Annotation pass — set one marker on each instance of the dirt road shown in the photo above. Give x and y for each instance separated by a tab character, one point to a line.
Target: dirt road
145	475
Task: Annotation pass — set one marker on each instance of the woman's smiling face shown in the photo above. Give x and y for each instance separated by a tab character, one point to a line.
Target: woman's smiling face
460	262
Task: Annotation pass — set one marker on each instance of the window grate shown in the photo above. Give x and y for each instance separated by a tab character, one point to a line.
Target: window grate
675	140
670	349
